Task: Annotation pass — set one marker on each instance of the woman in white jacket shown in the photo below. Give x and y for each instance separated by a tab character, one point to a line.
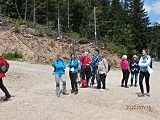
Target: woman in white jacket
102	71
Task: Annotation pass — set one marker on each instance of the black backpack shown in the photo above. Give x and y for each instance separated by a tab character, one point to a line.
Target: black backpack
109	67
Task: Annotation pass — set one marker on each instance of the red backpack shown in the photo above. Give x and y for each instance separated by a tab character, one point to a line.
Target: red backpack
5	66
84	83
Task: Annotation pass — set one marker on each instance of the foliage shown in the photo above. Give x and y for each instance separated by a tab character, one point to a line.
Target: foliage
14	56
121	24
16	27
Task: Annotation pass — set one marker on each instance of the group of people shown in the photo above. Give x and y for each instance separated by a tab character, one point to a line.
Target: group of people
135	67
90	69
95	68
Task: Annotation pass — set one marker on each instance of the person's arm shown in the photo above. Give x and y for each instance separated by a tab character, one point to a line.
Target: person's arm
121	64
129	66
148	61
95	58
106	65
64	65
81	58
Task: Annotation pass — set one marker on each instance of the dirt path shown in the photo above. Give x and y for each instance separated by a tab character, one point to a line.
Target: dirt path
35	99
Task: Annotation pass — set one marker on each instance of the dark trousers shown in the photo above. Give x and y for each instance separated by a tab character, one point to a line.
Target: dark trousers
141	76
3	88
94	75
125	77
73	78
86	73
103	80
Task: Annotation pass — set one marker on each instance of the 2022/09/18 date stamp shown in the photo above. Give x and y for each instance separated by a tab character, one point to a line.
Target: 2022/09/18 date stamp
138	107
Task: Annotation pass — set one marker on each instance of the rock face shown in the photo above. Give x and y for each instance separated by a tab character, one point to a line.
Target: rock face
43	49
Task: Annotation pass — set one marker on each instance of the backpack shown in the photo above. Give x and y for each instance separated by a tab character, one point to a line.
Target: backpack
79	66
84	83
109	67
5	66
150	62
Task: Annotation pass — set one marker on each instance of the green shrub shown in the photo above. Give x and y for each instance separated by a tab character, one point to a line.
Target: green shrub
38	32
49	32
16	27
8	20
13	56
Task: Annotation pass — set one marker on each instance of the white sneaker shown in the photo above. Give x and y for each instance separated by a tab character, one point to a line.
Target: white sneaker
147	94
101	90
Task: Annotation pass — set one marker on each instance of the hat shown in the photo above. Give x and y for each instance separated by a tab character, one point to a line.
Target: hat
97	50
124	57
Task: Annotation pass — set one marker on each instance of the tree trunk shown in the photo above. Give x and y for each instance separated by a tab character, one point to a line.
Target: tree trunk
25	15
34	11
19	16
68	14
47	15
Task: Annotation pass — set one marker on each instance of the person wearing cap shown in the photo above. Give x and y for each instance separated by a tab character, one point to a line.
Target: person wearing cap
144	64
125	70
134	68
94	65
59	72
86	70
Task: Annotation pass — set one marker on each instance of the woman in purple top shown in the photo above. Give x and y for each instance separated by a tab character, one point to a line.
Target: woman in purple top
125	70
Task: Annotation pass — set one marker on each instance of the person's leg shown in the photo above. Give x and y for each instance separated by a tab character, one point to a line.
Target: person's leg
141	76
126	77
99	85
57	79
136	78
63	84
147	75
4	89
123	79
93	75
103	78
83	73
132	77
71	75
98	81
88	74
75	82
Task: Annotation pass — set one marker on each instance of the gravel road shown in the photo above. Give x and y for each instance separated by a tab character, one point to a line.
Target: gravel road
33	89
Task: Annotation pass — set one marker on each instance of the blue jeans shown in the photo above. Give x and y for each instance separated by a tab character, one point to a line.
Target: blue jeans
132	77
57	79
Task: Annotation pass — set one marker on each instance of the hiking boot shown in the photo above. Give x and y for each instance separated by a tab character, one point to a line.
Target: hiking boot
72	91
76	92
141	95
7	98
131	85
126	86
122	85
147	94
64	93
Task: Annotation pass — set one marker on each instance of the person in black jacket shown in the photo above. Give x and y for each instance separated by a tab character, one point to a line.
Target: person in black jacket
134	67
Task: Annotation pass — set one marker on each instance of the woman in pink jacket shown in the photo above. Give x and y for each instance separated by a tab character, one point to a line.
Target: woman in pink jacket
125	70
2	75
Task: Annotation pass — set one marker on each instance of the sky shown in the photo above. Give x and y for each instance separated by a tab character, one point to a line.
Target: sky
153	9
